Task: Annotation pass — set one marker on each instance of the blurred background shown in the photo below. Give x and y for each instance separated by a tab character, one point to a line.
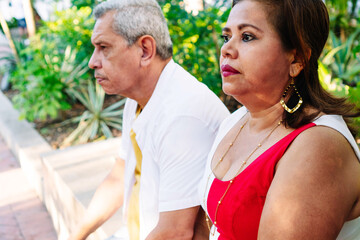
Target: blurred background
45	46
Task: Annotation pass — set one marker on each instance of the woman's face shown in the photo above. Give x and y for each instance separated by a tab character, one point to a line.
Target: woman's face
254	66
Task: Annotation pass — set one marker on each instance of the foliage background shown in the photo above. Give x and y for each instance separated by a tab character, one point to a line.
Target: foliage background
54	68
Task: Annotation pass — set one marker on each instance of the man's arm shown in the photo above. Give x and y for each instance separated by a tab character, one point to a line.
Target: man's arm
176	225
201	229
106	200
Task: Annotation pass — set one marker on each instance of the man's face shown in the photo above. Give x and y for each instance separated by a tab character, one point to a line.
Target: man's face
116	64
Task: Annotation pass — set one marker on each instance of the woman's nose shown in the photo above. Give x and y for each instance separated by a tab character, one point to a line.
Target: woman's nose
229	50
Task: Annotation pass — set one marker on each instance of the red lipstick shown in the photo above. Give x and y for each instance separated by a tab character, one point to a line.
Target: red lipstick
227	70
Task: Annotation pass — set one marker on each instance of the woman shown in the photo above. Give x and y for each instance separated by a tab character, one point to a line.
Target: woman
284	166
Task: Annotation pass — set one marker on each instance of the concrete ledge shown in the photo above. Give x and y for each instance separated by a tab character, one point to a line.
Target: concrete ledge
70	180
64	180
24	141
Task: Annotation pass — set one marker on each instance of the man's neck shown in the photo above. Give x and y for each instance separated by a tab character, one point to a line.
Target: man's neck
152	77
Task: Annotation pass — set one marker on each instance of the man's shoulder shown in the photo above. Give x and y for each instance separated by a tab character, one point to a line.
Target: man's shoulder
187	96
185	85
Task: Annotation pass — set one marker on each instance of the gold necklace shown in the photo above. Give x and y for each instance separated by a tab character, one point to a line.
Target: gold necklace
231	180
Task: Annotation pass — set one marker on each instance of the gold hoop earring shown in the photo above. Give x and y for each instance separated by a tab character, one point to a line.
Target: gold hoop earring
282	100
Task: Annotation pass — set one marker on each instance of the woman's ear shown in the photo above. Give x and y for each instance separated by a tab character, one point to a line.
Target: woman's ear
297	63
147	45
295	68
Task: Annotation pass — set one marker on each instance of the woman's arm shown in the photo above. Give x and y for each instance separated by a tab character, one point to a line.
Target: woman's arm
315	188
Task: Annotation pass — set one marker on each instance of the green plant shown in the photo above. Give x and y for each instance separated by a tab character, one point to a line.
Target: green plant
53	65
71	73
69	27
84	3
342	59
45	82
95	121
343	17
7	65
332	84
12	23
7	58
339	67
196	40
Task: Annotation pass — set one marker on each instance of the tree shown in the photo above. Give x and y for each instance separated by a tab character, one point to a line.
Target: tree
29	17
8	35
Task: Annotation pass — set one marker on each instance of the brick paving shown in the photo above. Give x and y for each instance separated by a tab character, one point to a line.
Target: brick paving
22	214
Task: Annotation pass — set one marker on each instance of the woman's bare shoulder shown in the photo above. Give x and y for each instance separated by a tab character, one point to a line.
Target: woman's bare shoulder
315	184
321	142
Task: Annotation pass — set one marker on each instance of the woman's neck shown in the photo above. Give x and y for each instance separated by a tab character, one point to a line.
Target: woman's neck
265	118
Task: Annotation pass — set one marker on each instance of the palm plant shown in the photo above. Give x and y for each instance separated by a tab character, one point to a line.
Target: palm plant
70	72
343	60
8	64
95	121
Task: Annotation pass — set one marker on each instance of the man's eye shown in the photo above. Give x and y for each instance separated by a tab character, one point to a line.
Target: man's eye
246	37
225	38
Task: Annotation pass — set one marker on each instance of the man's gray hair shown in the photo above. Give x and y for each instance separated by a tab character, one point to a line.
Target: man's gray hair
136	18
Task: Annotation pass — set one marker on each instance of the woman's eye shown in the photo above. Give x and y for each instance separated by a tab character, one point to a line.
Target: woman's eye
225	38
246	37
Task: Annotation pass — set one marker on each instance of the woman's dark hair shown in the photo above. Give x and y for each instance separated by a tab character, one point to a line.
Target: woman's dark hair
304	26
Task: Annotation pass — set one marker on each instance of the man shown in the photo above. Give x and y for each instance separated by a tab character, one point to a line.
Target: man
170	121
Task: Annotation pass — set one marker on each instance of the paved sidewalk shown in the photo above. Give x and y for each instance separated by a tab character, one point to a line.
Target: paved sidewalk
22	214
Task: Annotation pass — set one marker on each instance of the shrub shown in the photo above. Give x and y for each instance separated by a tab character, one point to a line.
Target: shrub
53	64
96	120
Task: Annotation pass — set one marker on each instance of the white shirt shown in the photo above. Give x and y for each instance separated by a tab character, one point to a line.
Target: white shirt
174	131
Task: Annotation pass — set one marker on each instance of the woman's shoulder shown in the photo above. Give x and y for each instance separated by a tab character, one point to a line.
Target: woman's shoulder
337	123
327	144
318	167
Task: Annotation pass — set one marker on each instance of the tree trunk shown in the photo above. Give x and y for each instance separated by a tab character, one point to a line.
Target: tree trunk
8	36
29	17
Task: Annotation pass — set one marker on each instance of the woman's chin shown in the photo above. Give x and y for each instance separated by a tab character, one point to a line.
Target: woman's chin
228	90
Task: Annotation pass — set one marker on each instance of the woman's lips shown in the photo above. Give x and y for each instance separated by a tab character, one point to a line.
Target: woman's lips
227	70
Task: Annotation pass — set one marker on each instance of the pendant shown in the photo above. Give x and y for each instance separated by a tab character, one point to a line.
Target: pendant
213	230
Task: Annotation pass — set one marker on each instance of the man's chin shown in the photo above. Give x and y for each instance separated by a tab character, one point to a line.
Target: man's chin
109	92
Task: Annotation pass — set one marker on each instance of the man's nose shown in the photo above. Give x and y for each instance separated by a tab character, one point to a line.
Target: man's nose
94	62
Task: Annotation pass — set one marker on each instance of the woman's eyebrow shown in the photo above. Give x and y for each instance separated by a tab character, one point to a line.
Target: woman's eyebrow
241	26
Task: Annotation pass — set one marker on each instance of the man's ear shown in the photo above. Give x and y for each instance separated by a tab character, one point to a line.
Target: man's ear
147	45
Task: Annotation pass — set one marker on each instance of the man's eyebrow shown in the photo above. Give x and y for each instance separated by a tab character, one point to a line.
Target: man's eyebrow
99	42
241	26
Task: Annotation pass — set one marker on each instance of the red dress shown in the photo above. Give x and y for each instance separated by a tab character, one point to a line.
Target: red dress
239	214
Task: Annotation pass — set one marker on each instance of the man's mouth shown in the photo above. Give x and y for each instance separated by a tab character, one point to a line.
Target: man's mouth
100	78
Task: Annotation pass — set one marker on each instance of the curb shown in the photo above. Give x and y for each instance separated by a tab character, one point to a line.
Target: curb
48	171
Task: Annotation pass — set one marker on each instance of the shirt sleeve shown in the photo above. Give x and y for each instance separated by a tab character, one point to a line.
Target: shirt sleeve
182	156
